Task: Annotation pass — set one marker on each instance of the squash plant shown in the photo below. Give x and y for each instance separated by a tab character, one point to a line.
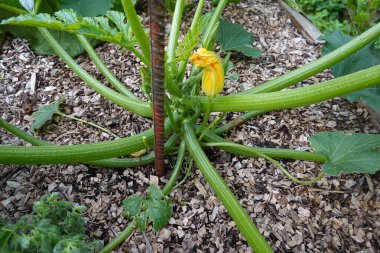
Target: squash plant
187	102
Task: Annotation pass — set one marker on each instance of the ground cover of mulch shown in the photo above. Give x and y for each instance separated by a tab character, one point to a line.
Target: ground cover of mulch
338	214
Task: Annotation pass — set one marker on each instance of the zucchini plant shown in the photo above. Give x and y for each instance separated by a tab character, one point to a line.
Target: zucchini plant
186	101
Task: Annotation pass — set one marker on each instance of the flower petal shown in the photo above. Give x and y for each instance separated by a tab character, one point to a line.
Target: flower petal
213	76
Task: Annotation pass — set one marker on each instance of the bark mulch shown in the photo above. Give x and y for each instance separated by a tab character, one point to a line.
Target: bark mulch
338	214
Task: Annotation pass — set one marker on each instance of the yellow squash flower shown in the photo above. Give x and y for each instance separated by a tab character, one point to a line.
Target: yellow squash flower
213	75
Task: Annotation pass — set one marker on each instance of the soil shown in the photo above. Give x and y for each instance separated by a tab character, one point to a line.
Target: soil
338	214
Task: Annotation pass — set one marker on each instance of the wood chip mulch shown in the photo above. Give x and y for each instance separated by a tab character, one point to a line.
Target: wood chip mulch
338	214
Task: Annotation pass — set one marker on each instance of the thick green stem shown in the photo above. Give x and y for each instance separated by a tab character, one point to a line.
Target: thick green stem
295	97
175	28
21	134
36	6
197	15
171	86
137	28
13	9
109	163
243	221
138	107
74	153
214	140
177	169
317	66
206	117
211	25
255	152
111	78
121	237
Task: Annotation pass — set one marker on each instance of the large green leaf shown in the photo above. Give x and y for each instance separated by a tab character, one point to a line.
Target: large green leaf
355	153
88	8
371	96
67	21
155	207
367	57
159	207
142	222
44	114
233	37
68	41
132	206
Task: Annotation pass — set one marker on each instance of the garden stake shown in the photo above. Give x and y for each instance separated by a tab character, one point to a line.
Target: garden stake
157	37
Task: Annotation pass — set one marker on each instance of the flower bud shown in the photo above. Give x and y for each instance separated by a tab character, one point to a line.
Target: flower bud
213	75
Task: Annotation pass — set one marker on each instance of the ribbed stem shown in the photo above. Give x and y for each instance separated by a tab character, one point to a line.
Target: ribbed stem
317	66
111	78
238	214
13	9
140	108
109	163
75	153
177	169
295	97
214	140
171	86
206	39
137	28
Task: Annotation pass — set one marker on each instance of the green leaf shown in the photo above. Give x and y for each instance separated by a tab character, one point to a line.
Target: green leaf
233	37
356	153
142	222
159	207
88	8
363	59
47	230
370	96
191	39
13	3
233	76
44	114
68	41
132	206
67	21
367	57
27	4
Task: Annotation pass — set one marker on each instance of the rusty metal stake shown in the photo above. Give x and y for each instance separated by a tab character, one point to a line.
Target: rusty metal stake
156	9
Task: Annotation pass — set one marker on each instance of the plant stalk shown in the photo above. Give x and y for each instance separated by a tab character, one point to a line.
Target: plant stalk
138	107
214	140
137	28
295	97
177	169
243	221
109	163
111	78
172	87
316	66
127	232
